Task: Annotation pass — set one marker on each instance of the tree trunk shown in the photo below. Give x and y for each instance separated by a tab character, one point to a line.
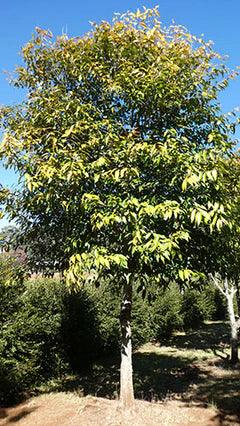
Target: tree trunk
234	344
238	297
229	290
234	326
126	378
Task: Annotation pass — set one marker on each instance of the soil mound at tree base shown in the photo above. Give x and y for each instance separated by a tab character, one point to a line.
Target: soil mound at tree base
67	409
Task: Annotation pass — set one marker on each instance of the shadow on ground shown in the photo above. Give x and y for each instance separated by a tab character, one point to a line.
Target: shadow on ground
212	335
172	374
20	413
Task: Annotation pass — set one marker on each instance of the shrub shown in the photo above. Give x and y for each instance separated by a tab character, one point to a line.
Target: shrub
11	284
220	312
192	309
142	331
200	305
31	346
47	332
82	337
107	301
166	312
206	301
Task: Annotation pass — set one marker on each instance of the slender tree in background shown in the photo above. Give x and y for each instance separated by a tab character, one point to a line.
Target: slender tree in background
225	264
228	290
120	147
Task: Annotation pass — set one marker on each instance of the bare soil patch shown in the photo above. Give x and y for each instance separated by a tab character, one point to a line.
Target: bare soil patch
70	410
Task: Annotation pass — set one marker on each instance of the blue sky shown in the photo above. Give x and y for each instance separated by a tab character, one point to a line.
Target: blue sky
218	20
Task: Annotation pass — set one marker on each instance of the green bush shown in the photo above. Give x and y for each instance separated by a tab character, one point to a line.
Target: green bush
86	335
191	311
220	312
11	284
142	331
107	299
166	312
200	305
206	300
31	345
46	332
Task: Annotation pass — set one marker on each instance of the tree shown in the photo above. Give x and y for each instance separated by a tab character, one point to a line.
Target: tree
229	241
228	290
122	142
225	264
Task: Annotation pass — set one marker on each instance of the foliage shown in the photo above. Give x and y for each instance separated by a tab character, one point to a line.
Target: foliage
120	145
30	338
192	310
225	246
87	332
12	272
220	312
12	268
198	305
47	332
7	238
166	312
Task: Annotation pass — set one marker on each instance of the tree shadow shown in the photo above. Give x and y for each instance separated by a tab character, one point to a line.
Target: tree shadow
223	393
15	414
3	413
214	336
155	377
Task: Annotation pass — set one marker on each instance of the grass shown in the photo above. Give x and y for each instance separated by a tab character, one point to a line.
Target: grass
191	366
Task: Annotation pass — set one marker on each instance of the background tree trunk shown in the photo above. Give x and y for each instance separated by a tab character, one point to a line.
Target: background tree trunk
233	322
238	297
126	377
229	289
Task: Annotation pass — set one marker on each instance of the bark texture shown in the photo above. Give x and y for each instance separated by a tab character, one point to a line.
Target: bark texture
126	376
229	293
238	297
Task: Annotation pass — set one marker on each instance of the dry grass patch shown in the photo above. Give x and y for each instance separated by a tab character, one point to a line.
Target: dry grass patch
69	409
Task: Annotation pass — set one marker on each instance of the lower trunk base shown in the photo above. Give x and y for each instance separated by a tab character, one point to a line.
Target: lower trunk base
126	374
234	351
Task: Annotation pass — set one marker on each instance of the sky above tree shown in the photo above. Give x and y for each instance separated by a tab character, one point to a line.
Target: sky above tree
217	20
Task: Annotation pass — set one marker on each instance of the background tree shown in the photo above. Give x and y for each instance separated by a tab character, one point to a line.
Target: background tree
228	290
225	263
121	140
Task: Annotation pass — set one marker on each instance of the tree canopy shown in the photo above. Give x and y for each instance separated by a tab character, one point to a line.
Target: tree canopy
120	141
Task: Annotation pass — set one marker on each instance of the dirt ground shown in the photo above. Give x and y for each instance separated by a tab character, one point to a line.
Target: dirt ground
70	410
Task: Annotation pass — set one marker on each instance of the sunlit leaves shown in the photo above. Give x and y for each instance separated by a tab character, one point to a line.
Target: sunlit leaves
212	214
186	275
83	266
